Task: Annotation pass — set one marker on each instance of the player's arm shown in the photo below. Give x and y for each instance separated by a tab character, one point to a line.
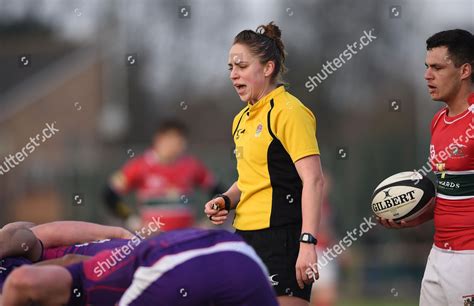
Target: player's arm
219	215
62	233
64	261
30	285
113	191
297	132
426	216
234	194
311	174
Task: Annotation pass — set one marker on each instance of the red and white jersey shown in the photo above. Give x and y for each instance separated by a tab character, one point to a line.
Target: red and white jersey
452	159
154	181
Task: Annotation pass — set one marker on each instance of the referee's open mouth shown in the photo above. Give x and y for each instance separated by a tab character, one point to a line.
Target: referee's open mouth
240	88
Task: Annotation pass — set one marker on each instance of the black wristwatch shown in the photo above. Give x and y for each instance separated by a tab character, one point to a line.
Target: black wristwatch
308	238
226	200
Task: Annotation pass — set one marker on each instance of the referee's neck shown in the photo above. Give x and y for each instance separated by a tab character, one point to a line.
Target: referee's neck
266	90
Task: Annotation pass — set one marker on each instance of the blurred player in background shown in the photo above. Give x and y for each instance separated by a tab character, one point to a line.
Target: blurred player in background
449	273
163	178
176	268
278	193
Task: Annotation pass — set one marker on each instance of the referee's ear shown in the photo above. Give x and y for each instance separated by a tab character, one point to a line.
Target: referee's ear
269	68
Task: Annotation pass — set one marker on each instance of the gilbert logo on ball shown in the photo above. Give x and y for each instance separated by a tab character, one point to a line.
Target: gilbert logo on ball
403	196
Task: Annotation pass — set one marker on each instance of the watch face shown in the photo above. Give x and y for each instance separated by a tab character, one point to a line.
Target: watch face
305	237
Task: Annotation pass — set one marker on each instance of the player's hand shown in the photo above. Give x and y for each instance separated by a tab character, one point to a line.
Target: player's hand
427	215
306	264
399	224
133	223
125	234
214	209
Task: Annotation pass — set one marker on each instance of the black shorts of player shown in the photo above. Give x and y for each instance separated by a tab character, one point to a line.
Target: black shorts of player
278	248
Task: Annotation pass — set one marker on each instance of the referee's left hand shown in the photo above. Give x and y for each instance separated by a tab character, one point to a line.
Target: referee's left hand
307	261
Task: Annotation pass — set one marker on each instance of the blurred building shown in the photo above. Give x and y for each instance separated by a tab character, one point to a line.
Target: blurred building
58	84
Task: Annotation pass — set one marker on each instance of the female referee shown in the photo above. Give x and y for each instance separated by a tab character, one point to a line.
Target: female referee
278	193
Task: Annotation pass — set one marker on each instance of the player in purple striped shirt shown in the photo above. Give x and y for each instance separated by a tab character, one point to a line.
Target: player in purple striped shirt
186	267
24	243
28	240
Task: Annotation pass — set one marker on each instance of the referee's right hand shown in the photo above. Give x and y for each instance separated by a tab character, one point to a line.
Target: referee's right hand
215	215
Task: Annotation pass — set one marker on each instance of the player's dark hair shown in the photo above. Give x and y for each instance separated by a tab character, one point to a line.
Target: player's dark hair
172	125
266	44
460	44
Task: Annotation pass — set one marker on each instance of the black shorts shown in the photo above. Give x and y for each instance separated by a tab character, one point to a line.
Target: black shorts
278	248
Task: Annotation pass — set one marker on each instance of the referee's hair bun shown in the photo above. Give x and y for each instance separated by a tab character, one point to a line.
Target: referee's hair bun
272	31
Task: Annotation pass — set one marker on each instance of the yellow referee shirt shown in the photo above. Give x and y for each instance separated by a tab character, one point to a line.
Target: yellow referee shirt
270	136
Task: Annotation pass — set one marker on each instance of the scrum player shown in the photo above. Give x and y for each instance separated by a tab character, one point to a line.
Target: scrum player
182	267
27	243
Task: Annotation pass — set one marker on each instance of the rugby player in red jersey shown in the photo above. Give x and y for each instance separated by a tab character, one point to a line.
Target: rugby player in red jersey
163	179
449	273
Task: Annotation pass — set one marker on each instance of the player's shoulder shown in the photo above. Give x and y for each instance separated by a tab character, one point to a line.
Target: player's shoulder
139	163
147	158
440	112
437	116
137	158
286	105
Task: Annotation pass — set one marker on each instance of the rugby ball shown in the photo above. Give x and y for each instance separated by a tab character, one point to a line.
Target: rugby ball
403	196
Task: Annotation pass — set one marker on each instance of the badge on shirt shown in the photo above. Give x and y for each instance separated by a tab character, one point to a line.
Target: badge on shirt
457	151
259	130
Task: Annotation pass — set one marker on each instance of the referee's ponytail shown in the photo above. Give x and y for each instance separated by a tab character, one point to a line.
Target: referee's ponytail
266	44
